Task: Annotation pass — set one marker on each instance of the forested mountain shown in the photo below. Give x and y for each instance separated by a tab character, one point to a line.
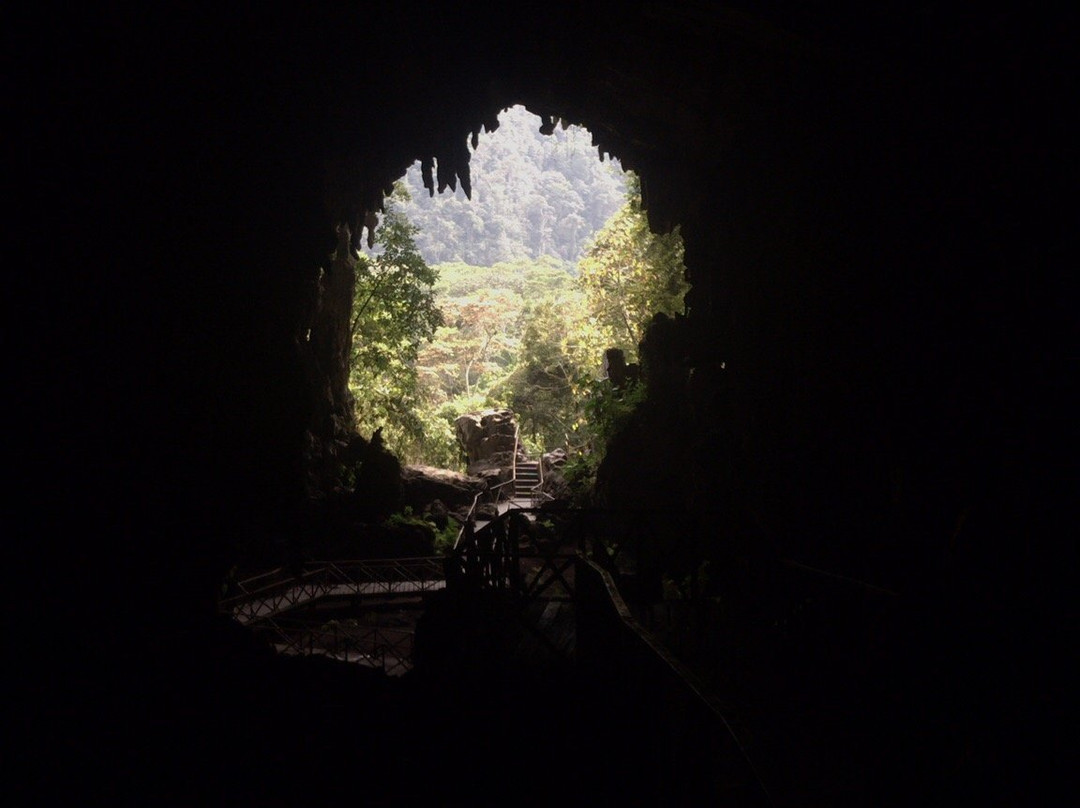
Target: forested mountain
532	195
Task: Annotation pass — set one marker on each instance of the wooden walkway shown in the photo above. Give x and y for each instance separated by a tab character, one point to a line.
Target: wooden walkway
511	504
387	647
573	619
304	595
271	593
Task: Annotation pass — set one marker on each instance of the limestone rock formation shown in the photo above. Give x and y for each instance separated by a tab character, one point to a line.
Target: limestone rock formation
486	433
425	484
494	470
553	460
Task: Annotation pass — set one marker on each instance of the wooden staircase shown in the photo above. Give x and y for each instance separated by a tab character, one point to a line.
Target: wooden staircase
526	478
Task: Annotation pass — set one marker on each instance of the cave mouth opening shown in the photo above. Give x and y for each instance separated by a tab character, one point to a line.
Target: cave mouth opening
524	275
527	283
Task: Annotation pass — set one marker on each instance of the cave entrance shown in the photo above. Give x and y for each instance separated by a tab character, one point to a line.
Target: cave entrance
528	295
509	296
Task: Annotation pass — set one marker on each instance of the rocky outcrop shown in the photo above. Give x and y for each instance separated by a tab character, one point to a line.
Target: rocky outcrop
617	370
424	484
557	490
495	470
553	460
486	433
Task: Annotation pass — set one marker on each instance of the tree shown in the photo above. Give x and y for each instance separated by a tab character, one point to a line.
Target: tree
394	312
557	360
476	344
629	274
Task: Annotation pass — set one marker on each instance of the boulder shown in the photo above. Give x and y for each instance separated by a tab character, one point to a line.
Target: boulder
617	370
422	485
377	489
496	469
438	514
555	459
486	433
485	510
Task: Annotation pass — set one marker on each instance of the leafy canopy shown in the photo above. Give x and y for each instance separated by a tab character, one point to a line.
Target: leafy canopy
629	274
394	312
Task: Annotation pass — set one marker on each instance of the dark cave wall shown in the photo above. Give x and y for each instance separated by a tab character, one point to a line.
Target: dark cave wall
872	246
863	229
851	207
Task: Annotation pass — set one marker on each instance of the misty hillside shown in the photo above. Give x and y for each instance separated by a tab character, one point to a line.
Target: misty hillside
532	195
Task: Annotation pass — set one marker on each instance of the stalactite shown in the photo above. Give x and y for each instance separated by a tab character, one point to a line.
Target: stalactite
465	175
355	228
427	164
444	173
371	221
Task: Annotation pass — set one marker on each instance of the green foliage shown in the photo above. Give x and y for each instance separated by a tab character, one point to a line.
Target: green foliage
513	322
394	312
406	518
608	408
476	345
446	538
606	411
527	277
557	359
630	274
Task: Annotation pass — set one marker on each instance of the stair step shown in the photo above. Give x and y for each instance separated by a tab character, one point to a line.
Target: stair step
526	477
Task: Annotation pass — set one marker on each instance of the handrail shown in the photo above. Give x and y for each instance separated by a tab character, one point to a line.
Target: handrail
513	461
311	640
879	590
327	578
645	639
538	489
500	485
319	565
469	518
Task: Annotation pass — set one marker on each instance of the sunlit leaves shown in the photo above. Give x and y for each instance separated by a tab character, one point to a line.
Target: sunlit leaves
394	312
629	274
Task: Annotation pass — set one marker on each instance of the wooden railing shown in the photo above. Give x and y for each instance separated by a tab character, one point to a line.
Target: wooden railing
274	591
485	557
383	647
686	752
513	462
690	754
